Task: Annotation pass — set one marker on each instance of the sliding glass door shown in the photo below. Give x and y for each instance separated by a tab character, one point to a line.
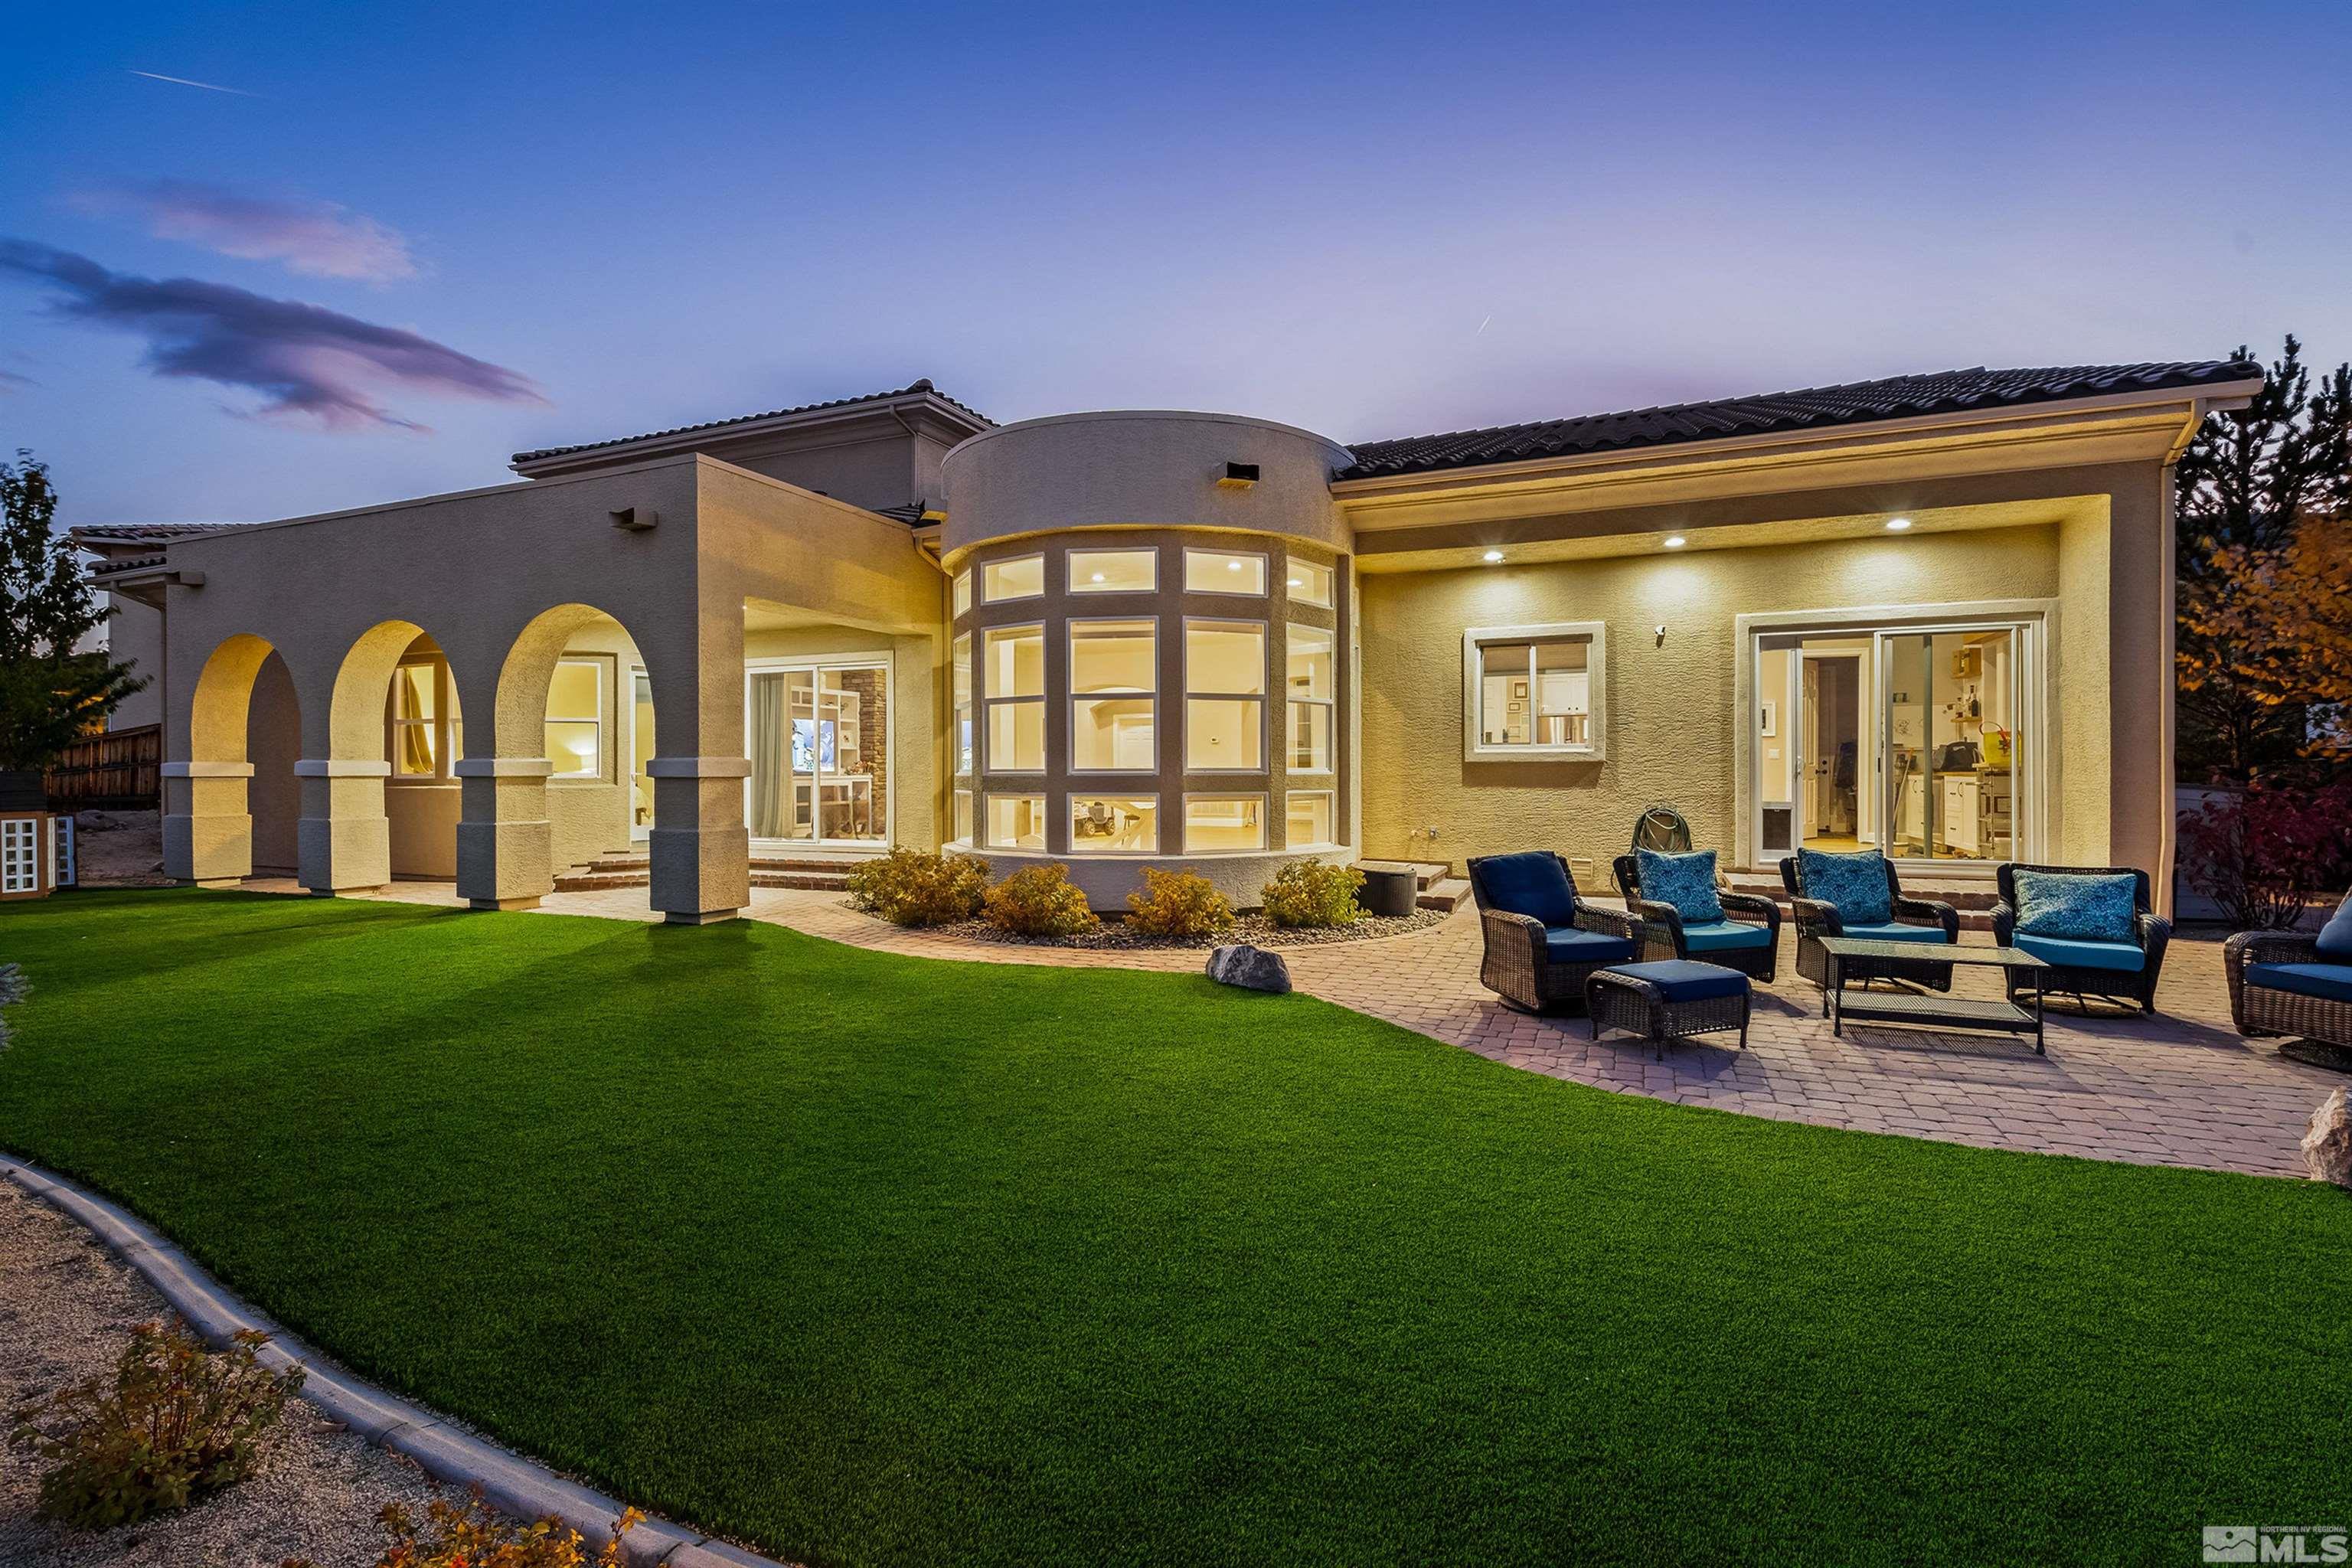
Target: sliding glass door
1915	741
818	737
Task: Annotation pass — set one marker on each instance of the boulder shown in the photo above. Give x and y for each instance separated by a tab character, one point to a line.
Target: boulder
2327	1147
1251	968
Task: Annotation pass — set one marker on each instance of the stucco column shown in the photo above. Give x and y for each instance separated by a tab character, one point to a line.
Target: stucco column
701	849
208	834
506	854
343	841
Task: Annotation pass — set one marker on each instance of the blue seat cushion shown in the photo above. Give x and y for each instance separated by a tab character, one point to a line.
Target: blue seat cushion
1567	944
2331	980
1717	936
2335	936
1687	980
1888	931
1685	881
2122	956
1853	885
2075	906
1529	883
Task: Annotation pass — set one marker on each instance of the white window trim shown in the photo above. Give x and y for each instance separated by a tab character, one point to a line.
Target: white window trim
1159	814
1075	697
1330	704
961	769
985	735
1329	793
1262	697
1070	568
445	693
598	663
773	664
963	791
1264	828
1264	573
987	566
1330	577
959	594
1596	664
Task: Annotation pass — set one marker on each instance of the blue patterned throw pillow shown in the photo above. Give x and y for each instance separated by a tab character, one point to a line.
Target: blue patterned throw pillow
2075	908
1853	885
1685	881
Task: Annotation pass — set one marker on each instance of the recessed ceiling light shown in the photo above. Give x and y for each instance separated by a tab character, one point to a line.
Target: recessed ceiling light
1097	577
1493	555
1298	582
1675	541
1232	565
1897	524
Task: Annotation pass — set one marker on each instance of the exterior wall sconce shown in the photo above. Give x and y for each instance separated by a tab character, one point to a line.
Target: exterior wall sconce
636	519
1238	476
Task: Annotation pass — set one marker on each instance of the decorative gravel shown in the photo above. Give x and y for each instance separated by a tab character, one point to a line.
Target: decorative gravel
67	1309
1256	930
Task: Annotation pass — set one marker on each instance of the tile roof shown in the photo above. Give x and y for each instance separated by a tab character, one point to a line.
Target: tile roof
1855	403
924	385
144	532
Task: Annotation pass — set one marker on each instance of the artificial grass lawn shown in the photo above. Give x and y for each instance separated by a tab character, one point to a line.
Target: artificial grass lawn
869	1260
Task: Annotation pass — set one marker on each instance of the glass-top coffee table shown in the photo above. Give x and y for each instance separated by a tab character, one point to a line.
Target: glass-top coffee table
1930	1009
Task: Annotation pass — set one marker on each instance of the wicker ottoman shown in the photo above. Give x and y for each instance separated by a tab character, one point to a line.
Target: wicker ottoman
1669	1000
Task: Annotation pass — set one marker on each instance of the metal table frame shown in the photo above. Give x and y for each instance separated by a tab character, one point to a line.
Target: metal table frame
1927	1010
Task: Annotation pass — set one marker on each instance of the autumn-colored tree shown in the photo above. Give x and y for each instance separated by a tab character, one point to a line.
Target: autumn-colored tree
2275	624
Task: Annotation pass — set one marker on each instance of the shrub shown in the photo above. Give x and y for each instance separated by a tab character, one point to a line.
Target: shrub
174	1423
1310	893
2265	853
918	887
1039	900
478	1536
1178	903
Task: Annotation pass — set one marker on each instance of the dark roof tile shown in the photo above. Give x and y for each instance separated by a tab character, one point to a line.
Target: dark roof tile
1855	403
924	385
144	532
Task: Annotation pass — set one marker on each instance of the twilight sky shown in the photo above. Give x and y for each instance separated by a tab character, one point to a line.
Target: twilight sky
409	240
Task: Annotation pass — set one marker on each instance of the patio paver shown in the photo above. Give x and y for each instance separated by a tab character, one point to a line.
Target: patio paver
2181	1088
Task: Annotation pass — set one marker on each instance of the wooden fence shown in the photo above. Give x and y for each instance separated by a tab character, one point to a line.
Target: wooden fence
120	770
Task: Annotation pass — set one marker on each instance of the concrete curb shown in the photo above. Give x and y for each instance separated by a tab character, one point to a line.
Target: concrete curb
448	1454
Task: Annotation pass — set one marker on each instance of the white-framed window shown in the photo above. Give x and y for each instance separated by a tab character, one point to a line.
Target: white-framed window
1311	819
20	855
1113	686
1224	571
1114	571
1014	696
1224	696
1022	577
963	816
1309	583
1114	825
1223	822
1308	683
1533	691
963	590
575	719
421	728
960	698
1016	822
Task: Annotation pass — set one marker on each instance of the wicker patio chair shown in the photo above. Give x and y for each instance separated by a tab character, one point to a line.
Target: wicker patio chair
1542	940
2130	977
2281	984
1815	920
1728	942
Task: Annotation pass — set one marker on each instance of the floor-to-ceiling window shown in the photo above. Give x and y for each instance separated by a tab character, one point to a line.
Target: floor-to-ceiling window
818	736
1915	740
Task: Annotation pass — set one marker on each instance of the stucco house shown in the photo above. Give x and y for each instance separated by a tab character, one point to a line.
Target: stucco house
1932	613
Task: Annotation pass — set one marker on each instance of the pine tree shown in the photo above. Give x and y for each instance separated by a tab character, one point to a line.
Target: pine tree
49	693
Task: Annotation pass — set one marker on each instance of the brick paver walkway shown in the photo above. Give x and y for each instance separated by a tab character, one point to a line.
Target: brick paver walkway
2179	1090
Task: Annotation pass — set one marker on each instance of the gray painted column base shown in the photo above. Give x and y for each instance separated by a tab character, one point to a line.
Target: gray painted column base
511	1483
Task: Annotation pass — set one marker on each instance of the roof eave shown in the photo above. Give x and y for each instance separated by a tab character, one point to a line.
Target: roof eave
958	423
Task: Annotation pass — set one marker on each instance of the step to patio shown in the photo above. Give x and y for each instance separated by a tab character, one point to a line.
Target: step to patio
636	871
1446	893
1425	873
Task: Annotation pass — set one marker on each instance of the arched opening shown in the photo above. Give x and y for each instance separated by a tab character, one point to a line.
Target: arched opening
575	689
235	800
396	727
